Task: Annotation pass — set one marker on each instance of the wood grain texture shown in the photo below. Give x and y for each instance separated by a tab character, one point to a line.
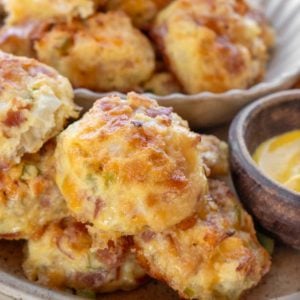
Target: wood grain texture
274	207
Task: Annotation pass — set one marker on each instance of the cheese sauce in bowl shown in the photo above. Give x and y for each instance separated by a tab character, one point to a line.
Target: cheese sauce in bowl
279	159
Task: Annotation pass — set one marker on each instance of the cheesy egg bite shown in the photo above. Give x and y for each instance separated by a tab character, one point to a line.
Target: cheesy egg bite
211	255
214	45
19	39
61	10
102	53
35	104
29	197
62	257
162	83
142	12
130	164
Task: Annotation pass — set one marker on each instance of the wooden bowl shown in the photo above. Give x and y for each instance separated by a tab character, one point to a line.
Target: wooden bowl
276	208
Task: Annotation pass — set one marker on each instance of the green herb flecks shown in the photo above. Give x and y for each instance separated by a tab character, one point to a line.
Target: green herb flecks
266	242
29	172
109	178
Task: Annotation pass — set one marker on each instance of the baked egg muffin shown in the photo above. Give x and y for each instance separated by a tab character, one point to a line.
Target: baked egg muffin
60	10
29	197
162	83
211	255
62	257
102	53
214	45
142	12
35	104
19	39
130	164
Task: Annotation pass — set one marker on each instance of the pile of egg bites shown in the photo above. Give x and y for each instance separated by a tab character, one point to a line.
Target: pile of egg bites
126	191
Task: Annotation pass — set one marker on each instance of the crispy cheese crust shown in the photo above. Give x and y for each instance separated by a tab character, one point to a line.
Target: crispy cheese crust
162	83
211	255
19	39
29	197
35	104
61	10
214	45
113	55
130	164
62	258
142	12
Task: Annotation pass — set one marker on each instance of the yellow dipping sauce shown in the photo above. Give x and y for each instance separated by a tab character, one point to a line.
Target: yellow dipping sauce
279	159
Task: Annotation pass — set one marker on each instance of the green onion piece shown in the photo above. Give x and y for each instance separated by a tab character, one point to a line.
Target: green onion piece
109	178
29	172
86	294
189	293
266	242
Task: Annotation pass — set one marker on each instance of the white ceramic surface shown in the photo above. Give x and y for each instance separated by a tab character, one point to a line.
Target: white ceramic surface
209	109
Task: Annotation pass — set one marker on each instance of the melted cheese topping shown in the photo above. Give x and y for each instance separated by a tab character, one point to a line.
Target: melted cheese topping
279	158
130	164
211	255
213	45
113	55
35	102
62	257
20	11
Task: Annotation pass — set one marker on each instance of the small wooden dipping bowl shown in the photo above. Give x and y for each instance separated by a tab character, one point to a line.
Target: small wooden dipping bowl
273	206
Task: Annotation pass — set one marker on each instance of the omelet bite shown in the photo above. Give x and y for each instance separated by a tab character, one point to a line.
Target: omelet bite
59	10
102	53
128	165
35	102
214	45
162	83
19	39
29	197
62	257
142	12
211	255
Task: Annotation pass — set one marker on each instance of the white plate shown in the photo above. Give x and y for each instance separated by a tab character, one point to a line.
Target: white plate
209	109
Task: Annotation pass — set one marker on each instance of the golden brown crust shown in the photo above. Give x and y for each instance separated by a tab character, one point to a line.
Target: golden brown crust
113	55
62	257
212	255
29	197
19	39
213	45
162	83
142	12
35	104
58	10
129	164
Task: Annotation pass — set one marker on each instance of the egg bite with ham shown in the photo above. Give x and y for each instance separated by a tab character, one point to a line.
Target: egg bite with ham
58	10
214	45
102	53
130	164
63	257
29	197
213	254
35	103
141	12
